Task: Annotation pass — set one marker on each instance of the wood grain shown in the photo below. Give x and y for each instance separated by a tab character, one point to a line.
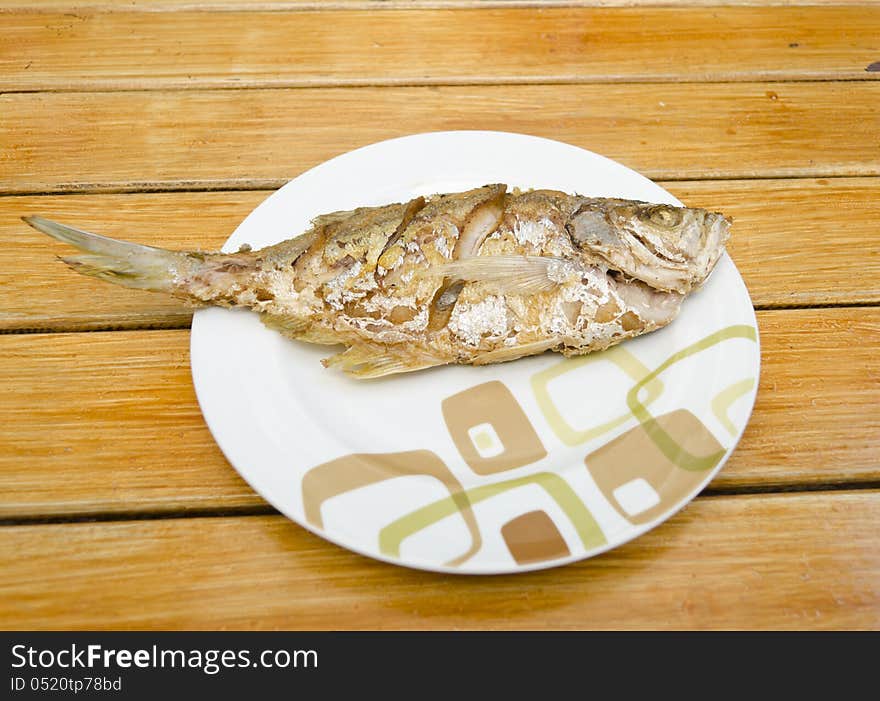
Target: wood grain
92	425
820	373
98	51
782	561
261	138
56	6
768	113
108	422
790	242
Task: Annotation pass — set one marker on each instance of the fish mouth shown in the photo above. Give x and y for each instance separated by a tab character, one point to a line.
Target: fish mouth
720	225
716	219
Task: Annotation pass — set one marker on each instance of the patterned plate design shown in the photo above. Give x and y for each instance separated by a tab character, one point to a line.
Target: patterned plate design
502	468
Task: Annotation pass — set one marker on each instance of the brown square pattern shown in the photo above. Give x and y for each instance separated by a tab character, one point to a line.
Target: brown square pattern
493	404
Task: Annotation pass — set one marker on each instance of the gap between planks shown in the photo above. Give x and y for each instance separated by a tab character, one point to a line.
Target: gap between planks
137	86
269	185
709	492
185	322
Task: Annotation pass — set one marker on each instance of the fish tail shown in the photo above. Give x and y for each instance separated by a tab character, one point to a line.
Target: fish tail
127	264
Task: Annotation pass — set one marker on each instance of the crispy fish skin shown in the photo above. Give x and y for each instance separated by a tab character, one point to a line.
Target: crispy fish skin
474	277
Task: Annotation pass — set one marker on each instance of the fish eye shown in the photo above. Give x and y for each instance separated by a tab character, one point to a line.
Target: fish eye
663	216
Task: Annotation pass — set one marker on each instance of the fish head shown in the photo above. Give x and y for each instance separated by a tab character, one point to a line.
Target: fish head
680	231
666	246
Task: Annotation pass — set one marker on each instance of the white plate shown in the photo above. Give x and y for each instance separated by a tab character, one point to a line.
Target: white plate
503	468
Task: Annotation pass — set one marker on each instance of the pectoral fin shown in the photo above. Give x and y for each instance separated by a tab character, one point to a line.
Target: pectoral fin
290	326
521	275
365	361
502	355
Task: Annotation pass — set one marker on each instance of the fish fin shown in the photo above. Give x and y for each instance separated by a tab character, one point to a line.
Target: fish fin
323	220
287	325
128	264
502	355
365	361
520	275
322	337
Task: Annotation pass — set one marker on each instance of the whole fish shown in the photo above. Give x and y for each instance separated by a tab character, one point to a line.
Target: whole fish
475	277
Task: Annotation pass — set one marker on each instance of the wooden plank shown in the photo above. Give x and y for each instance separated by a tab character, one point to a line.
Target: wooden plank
789	241
108	422
261	138
137	50
807	561
812	423
92	425
56	6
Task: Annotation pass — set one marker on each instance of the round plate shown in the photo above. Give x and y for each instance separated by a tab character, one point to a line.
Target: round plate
502	468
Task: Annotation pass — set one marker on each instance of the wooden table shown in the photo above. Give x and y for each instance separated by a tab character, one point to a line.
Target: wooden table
167	121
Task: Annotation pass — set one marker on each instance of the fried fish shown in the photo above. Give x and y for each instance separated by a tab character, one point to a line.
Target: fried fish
474	277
